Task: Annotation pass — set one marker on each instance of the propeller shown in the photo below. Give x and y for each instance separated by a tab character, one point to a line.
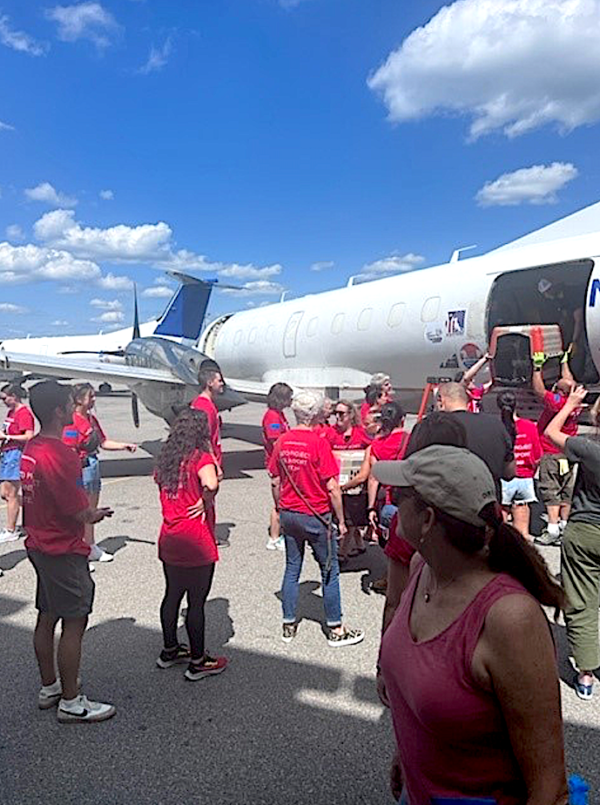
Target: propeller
135	410
136	318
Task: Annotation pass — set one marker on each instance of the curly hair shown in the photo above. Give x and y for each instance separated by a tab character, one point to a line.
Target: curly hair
189	436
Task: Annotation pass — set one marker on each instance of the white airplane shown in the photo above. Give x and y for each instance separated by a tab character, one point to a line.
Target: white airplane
431	322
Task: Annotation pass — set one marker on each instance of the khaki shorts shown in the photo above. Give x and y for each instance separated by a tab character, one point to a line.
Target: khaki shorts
64	584
556	486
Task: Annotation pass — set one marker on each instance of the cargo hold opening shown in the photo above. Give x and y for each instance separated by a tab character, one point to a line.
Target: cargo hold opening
554	294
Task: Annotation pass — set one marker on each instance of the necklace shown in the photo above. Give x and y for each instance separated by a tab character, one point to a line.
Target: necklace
427	594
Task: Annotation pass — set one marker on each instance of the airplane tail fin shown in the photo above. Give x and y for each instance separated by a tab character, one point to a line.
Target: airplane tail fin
184	315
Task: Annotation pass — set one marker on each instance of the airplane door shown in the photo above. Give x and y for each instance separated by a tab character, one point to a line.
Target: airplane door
291	333
592	315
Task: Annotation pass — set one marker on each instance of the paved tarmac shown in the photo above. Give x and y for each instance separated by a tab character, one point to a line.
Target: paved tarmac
298	723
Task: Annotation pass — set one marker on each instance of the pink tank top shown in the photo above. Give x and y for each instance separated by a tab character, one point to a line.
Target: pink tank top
451	735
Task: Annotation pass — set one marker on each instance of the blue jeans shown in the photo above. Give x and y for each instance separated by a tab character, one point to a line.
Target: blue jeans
386	514
298	529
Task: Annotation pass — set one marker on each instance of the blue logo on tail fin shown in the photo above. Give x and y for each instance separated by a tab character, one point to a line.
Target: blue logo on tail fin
185	312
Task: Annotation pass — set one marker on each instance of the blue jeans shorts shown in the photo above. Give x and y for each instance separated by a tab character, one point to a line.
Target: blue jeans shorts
518	491
10	465
90	474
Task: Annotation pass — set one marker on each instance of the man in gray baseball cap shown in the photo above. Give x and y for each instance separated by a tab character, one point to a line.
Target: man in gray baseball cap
452	479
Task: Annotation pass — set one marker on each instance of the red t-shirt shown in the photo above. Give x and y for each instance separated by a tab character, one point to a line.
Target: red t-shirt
397	548
205	404
390	447
475	394
527	449
52	495
16	423
322	429
274	425
356	439
78	432
365	409
310	463
183	540
553	403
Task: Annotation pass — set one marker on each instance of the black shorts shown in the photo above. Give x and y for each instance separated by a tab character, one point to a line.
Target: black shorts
355	509
64	585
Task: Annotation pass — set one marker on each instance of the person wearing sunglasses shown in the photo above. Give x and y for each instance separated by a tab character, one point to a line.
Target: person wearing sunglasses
347	435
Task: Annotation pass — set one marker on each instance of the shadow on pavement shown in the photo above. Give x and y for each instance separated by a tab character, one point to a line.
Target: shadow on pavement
239	463
245	433
8	561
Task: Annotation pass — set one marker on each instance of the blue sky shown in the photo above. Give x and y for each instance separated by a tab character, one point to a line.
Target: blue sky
259	140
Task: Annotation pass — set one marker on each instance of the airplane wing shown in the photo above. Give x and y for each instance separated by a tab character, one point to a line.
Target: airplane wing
58	366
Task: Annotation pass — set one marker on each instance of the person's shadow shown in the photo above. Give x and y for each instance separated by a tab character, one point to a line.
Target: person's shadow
310	605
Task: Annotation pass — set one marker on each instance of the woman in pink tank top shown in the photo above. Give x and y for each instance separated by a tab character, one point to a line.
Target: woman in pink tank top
468	661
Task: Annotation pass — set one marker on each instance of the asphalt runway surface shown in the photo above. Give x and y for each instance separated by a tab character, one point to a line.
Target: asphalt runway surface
285	723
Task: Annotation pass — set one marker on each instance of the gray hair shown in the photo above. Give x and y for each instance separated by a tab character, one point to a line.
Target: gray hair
378	379
306	406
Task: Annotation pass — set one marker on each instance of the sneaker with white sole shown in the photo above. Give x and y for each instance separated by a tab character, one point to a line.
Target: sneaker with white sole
349	637
99	555
276	544
50	695
584	692
6	535
172	656
208	666
81	710
289	632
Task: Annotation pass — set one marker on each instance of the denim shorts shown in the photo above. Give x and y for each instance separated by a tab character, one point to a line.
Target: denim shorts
90	474
518	491
10	465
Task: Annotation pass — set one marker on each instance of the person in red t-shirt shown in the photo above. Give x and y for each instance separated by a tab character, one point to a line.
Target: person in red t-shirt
557	477
519	493
388	446
322	424
349	435
212	386
377	394
305	490
17	430
56	509
85	435
475	391
186	475
274	425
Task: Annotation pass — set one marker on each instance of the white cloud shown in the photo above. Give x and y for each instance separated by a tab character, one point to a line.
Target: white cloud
538	184
257	288
106	195
112	282
107	304
393	264
59	323
157	58
510	65
31	263
14	233
88	20
322	265
46	193
158	292
250	272
6	127
110	317
18	40
8	307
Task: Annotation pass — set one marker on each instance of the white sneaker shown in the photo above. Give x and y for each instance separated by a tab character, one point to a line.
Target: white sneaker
91	567
98	555
8	536
276	544
80	710
49	695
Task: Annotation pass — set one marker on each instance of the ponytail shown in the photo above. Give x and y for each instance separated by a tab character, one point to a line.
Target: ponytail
511	553
507	402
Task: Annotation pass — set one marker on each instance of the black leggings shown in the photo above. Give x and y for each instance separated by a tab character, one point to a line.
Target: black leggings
196	582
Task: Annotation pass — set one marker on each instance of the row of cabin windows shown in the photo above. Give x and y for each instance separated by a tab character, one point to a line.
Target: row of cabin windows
429	313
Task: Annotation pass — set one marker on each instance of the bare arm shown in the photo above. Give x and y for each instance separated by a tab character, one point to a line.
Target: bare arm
477	367
565	369
335	496
362	475
537	383
397	578
525	681
93	515
276	491
109	444
17	437
555	426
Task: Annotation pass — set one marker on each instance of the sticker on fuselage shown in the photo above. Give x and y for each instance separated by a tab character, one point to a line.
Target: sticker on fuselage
434	333
470	354
455	322
450	363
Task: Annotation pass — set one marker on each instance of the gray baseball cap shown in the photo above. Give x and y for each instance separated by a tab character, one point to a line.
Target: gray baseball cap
452	479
